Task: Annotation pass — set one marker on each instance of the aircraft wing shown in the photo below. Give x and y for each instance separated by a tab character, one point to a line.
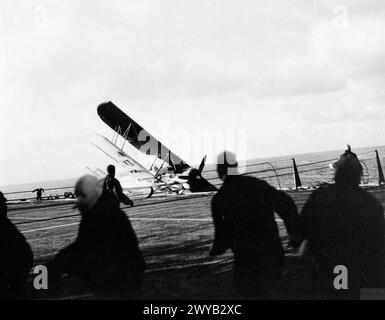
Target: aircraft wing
97	172
132	172
138	137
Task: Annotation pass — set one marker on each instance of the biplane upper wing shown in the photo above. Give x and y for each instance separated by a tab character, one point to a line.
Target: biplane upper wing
147	144
138	137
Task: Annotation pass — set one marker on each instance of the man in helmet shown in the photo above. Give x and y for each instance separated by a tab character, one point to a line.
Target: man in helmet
344	226
243	216
105	254
113	189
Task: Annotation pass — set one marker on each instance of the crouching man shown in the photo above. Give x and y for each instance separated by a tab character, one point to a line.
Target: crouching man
106	253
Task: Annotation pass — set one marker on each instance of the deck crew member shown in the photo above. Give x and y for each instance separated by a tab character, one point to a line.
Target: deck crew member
344	226
3	206
39	192
105	254
113	189
243	216
17	257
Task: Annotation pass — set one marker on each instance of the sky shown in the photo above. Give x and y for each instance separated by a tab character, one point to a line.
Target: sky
260	77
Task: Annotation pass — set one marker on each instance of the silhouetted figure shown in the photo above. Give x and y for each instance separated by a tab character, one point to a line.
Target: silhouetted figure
106	253
3	206
243	216
16	257
112	188
39	192
344	226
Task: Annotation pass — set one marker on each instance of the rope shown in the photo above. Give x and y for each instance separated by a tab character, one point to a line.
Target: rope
213	170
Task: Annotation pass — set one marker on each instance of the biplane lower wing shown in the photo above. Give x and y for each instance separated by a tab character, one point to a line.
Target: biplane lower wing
133	174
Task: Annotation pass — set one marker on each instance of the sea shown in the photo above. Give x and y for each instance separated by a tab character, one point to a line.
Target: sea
313	169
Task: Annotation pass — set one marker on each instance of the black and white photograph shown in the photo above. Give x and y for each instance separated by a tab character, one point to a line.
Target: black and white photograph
212	152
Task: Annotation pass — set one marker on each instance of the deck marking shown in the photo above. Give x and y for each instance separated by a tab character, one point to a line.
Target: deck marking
173	219
189	265
145	219
52	227
22	218
36	219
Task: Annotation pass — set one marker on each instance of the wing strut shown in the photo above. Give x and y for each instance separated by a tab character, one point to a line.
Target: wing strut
164	161
115	136
125	135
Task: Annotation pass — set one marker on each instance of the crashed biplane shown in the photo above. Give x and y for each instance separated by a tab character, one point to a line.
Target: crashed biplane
146	162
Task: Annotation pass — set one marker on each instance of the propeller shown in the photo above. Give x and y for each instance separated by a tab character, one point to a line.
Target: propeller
195	180
202	165
197	172
171	163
